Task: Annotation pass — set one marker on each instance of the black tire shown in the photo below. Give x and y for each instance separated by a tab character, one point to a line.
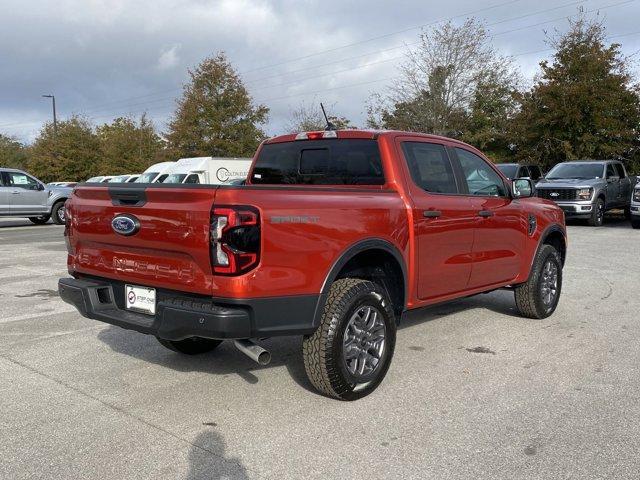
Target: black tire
40	220
597	216
57	213
190	346
531	298
627	213
635	223
324	359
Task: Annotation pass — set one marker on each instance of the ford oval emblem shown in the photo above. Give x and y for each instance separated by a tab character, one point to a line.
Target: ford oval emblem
125	225
554	194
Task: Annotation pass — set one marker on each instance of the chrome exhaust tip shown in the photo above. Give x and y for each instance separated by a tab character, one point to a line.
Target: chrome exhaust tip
254	351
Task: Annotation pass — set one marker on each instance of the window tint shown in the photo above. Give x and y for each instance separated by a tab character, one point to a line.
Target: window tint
535	172
523	172
620	170
611	172
320	162
22	180
481	178
2	180
509	169
430	167
193	178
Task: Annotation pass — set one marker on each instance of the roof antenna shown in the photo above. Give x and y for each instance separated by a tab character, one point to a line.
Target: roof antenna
330	126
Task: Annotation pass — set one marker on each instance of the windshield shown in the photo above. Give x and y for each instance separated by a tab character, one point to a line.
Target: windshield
509	170
147	177
119	179
175	178
581	171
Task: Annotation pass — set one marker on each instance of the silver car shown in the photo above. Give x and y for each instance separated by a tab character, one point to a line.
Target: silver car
23	195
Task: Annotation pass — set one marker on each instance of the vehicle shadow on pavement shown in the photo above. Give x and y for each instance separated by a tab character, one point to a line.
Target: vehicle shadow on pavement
207	459
225	360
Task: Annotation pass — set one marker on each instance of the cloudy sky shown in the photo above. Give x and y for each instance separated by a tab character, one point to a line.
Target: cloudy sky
110	58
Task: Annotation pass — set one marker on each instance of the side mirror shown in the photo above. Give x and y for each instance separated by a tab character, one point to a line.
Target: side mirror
522	188
41	186
613	178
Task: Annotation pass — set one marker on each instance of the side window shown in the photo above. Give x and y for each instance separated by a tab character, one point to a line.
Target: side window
620	170
611	172
430	167
535	172
524	172
21	180
193	178
481	179
3	183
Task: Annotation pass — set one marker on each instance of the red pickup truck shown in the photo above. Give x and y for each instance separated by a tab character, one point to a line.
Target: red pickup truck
334	237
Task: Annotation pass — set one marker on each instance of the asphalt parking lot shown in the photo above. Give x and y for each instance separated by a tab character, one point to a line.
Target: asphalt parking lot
474	391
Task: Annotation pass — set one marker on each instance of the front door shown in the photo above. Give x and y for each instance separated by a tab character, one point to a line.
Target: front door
26	194
443	220
501	223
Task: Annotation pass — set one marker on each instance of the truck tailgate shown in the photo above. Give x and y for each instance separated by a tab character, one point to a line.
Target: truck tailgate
170	250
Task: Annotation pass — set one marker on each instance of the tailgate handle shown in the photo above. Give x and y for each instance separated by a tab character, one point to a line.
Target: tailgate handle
131	197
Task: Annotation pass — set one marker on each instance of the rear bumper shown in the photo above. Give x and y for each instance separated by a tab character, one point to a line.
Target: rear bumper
180	315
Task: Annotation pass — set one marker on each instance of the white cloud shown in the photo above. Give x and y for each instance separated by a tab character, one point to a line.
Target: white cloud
168	58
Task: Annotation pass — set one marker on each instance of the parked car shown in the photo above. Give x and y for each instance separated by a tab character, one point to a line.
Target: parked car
100	179
335	236
588	189
519	170
23	195
124	178
155	173
635	207
208	170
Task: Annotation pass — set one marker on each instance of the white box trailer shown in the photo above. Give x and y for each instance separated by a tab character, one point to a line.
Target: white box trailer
209	170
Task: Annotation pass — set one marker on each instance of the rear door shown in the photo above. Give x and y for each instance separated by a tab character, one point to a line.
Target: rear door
625	185
4	195
27	195
443	220
613	186
501	226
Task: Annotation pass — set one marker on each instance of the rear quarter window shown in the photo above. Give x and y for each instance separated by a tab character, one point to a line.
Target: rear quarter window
319	162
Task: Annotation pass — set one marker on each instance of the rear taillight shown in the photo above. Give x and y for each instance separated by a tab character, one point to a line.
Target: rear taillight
235	239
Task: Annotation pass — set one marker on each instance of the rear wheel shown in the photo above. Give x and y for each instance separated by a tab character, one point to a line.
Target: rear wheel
539	296
349	354
40	220
190	346
58	213
597	216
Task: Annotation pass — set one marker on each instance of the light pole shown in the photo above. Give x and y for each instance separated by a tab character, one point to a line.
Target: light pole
55	120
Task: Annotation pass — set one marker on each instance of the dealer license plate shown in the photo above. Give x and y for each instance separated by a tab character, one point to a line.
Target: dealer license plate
140	299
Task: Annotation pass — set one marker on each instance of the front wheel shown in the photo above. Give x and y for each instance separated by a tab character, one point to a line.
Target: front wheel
190	346
539	296
40	220
597	215
58	213
349	354
635	222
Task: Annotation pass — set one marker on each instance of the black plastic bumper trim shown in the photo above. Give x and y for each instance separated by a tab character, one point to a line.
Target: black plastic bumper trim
181	315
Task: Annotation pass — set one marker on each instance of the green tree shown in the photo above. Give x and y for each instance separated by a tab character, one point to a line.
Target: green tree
13	154
584	105
216	115
128	146
445	85
73	153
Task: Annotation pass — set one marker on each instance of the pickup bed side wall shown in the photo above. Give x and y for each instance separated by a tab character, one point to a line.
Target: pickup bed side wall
305	230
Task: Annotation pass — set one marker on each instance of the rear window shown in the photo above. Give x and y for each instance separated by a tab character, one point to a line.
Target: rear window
320	162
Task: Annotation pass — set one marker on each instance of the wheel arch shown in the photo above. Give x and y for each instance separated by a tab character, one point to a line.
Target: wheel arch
373	259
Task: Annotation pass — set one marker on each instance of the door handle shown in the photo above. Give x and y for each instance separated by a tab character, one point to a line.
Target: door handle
431	213
485	213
